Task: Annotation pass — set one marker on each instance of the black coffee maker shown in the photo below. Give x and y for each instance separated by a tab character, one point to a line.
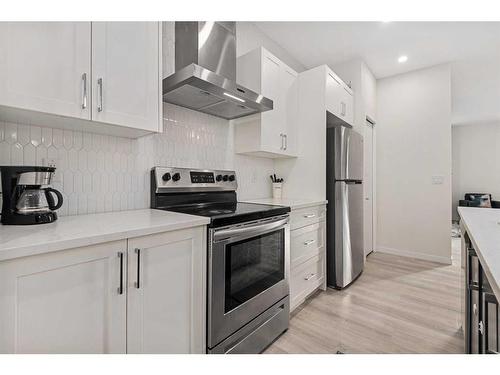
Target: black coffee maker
27	195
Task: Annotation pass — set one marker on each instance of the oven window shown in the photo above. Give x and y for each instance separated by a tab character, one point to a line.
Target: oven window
252	266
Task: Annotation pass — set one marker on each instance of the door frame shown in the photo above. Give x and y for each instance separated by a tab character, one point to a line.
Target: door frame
369	122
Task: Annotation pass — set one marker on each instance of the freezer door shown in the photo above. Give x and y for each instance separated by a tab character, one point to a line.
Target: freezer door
345	153
349	254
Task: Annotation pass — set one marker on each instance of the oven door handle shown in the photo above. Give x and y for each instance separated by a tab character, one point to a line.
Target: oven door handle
249	230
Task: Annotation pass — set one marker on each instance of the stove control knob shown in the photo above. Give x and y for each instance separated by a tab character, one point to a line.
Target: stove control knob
176	177
225	178
232	178
166	177
218	178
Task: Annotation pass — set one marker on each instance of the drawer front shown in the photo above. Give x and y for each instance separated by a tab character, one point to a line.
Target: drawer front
307	216
306	243
305	279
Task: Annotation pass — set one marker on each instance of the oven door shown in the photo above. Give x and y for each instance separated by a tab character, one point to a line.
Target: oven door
248	273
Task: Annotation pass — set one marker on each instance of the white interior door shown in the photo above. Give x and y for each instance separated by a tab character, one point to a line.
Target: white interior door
368	188
126	74
45	66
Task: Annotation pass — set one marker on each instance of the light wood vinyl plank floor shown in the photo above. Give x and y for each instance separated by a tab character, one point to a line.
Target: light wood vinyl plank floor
398	305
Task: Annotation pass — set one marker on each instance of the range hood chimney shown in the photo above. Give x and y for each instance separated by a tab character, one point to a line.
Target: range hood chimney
205	72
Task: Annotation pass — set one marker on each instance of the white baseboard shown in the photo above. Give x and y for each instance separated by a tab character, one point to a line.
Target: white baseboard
412	254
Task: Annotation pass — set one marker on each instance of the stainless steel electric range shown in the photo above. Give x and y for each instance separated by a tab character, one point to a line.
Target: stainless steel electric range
248	257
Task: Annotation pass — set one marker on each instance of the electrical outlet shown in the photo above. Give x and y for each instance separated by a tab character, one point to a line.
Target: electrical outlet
437	180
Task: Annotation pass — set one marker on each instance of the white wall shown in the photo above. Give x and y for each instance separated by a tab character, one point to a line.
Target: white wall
476	161
413	144
476	91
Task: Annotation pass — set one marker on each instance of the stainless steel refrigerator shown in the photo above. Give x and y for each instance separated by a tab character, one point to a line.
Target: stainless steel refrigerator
344	190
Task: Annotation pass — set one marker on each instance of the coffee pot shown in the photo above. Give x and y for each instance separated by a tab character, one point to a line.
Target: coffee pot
27	195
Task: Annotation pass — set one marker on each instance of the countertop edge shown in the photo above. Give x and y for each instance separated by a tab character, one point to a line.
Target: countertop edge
68	244
494	283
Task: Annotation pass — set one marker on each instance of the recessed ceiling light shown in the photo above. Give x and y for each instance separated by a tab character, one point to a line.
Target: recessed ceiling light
402	59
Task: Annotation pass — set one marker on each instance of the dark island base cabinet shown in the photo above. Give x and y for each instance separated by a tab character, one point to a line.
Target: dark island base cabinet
482	319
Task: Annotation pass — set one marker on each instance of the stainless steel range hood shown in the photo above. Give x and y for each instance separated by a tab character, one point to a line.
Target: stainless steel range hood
205	72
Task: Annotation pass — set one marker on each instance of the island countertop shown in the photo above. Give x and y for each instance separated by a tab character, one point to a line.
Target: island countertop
483	228
83	230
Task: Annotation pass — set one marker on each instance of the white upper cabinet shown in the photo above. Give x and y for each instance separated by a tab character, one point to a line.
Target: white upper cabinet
347	105
339	98
45	67
126	74
71	301
271	133
105	72
272	122
333	93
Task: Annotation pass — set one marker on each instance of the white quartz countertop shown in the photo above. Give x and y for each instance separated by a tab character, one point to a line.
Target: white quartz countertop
294	204
83	230
483	227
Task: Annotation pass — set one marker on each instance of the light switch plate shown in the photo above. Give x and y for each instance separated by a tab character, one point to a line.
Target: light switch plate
437	180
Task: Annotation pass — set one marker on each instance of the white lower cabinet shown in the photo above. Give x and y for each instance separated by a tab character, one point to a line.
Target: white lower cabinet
307	253
108	298
64	302
166	292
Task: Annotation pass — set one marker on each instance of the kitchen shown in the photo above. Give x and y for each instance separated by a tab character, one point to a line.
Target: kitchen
216	187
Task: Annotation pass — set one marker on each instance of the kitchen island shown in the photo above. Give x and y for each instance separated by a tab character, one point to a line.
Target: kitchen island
481	266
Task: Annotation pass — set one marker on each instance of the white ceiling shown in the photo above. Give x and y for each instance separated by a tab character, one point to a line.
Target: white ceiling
472	47
379	44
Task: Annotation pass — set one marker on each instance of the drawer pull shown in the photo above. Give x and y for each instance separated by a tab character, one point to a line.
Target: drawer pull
309	216
307	278
309	242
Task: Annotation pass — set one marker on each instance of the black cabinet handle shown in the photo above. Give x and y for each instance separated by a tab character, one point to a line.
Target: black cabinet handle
137	283
120	288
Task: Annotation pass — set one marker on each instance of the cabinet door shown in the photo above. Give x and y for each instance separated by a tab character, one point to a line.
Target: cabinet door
290	89
126	74
491	320
45	66
333	94
347	106
64	302
273	122
167	293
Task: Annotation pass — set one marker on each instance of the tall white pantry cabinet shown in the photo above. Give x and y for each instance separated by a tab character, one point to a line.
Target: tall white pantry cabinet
138	295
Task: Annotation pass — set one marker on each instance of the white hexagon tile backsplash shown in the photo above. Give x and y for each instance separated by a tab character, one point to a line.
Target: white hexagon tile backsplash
99	173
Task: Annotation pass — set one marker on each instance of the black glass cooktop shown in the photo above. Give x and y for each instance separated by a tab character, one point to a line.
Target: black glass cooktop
222	214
